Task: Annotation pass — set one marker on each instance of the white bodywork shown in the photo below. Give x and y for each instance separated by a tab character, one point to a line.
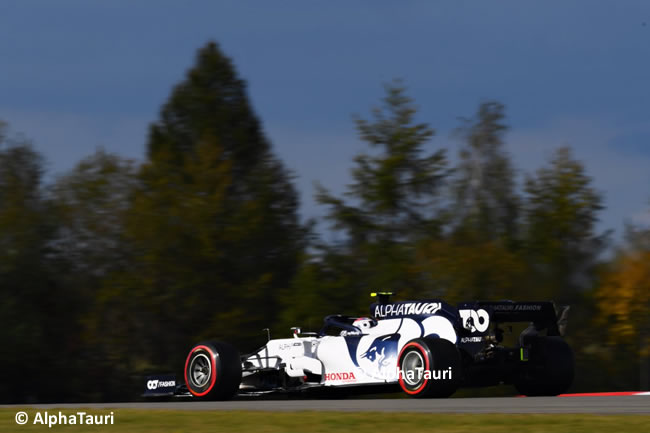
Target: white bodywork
369	357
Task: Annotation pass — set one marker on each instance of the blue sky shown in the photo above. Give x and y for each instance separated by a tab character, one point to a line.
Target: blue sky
75	75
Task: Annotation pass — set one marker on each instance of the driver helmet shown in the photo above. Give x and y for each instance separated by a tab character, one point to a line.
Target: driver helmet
364	323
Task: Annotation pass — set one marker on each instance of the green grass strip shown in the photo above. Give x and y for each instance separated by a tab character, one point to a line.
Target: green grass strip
131	420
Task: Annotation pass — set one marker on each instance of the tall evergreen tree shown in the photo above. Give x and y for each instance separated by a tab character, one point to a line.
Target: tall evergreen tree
214	225
486	204
395	191
394	198
561	242
477	258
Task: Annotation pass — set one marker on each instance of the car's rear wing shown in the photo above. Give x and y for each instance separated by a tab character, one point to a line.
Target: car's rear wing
542	314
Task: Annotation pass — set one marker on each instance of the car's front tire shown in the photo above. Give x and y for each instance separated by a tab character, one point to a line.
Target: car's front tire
213	371
429	367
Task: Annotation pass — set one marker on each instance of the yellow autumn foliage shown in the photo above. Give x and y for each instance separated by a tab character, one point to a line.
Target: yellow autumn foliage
624	299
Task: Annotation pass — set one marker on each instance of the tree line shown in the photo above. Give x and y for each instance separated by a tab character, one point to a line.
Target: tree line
112	270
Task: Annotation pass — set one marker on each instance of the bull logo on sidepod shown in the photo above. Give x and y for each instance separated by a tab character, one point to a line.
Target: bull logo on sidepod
382	350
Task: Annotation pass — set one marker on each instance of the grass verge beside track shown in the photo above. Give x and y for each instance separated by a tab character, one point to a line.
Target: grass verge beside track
130	420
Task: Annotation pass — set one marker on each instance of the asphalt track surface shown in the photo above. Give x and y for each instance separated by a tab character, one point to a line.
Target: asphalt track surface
588	405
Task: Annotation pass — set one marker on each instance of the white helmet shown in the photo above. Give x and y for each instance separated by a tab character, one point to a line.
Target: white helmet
364	323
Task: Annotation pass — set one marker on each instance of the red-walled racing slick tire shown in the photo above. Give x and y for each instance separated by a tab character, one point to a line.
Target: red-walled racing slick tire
429	367
213	371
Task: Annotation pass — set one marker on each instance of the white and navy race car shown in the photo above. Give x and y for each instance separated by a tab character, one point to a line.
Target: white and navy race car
427	348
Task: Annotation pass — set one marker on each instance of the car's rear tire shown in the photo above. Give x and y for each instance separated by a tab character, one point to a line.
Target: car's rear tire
550	368
437	356
213	371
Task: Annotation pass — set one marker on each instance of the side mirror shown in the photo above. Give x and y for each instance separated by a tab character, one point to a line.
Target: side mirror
296	331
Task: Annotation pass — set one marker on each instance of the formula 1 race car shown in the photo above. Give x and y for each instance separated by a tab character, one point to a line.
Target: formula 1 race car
427	348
